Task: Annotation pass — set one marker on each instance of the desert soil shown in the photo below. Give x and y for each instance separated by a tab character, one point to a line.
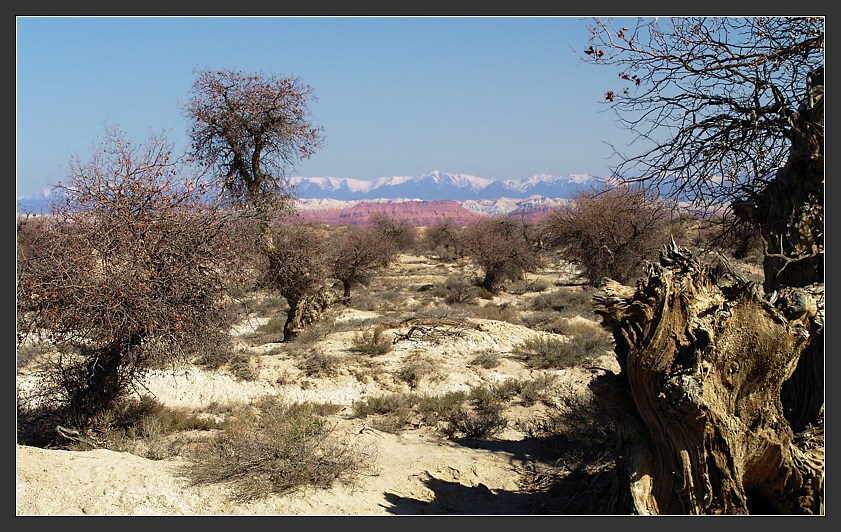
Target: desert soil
416	470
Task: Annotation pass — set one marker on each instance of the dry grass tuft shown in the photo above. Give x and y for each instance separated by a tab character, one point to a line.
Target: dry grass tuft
278	448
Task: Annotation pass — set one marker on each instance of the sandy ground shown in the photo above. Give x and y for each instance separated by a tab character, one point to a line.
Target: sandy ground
416	471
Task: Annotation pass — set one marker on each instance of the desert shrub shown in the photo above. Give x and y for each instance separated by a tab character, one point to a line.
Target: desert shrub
399	233
28	354
540	389
544	352
214	357
499	246
318	364
575	417
316	332
443	239
610	233
459	289
273	327
280	448
365	301
266	304
567	301
434	408
136	425
149	258
485	359
382	404
415	369
467	424
583	440
538	319
373	342
243	366
356	254
492	398
525	287
491	311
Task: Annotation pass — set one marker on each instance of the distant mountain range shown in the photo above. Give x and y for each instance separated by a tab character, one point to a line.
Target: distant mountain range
439	185
474	192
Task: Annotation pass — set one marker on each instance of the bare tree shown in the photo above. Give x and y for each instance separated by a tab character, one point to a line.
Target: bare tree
498	245
357	253
610	233
443	238
129	272
299	274
400	233
721	389
252	128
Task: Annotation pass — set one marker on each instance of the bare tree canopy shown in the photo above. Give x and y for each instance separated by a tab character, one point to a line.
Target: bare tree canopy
130	271
714	102
252	128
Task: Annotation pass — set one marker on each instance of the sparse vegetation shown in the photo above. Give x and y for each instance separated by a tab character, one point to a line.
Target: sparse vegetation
465	423
610	233
318	364
372	342
500	247
545	352
278	448
486	359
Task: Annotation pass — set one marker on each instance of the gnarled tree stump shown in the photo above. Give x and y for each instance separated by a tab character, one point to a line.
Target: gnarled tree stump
698	398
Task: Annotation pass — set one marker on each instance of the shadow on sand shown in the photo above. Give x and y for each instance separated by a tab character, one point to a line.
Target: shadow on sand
587	489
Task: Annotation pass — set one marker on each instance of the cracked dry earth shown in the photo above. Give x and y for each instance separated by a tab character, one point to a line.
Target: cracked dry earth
414	469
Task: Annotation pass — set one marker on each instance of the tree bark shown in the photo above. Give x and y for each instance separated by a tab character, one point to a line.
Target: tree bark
704	366
790	217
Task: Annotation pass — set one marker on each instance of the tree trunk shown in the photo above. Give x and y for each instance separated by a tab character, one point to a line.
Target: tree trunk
306	311
704	366
722	384
789	214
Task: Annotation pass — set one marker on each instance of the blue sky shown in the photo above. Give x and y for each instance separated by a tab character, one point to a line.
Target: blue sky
497	97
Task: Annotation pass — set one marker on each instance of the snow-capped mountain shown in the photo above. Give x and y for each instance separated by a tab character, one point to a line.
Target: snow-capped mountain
439	185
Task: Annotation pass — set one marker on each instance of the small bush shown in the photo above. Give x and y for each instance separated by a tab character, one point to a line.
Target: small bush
268	303
138	426
373	342
392	411
382	404
570	327
459	289
524	287
273	326
315	332
416	369
28	354
490	398
278	449
495	312
243	367
485	359
540	389
548	353
271	331
318	364
434	408
466	424
567	301
214	357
